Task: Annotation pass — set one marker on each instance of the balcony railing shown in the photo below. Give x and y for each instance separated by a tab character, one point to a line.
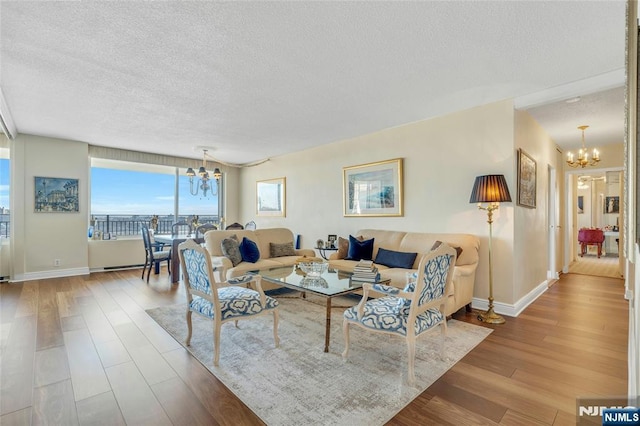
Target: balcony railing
122	225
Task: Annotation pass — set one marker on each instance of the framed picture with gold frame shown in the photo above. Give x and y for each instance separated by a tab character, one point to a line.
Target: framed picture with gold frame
373	189
271	197
526	180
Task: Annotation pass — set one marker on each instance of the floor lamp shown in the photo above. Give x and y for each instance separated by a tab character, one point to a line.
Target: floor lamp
490	189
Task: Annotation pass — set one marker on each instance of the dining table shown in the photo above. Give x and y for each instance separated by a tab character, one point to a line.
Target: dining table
174	241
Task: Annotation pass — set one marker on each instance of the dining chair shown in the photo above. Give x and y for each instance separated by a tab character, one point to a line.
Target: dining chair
181	228
411	312
235	225
221	301
154	253
250	226
200	230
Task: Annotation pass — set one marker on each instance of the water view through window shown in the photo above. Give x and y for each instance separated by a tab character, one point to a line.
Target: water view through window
124	200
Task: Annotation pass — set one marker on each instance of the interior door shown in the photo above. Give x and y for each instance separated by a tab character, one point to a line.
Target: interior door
553	217
558	185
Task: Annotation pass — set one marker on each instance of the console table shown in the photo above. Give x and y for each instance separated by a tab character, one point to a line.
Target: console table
323	251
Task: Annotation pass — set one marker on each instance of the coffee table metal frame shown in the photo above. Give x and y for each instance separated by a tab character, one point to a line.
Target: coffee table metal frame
338	283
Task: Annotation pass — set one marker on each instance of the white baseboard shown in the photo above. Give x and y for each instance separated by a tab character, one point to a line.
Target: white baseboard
515	309
57	273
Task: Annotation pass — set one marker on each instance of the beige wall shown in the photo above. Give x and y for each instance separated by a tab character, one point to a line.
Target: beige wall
531	238
442	157
39	238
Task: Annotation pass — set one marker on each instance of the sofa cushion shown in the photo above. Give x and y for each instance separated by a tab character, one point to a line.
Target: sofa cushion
395	259
279	250
231	249
249	250
360	250
456	248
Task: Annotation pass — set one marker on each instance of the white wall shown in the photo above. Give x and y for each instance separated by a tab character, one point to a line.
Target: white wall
442	157
39	238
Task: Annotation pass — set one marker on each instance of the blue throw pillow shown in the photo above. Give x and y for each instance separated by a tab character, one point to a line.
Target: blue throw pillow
360	250
249	251
395	259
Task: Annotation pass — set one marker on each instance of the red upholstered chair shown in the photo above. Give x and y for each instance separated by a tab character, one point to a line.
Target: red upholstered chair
586	237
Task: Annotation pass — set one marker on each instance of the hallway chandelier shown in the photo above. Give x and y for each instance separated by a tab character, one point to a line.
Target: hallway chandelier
583	156
203	182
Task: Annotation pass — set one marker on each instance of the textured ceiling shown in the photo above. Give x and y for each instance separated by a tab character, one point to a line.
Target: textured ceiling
254	80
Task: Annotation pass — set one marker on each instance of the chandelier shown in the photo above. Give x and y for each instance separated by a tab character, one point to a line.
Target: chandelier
203	182
583	156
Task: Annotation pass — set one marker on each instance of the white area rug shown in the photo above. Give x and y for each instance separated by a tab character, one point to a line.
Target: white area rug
299	384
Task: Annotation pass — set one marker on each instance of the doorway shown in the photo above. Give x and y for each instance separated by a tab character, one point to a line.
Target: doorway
596	204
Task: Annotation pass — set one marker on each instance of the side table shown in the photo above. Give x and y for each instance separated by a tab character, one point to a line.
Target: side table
323	251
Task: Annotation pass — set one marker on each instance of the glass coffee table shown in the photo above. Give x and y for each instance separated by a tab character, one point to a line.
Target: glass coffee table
328	285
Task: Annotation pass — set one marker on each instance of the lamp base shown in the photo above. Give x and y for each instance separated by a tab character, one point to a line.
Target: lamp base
490	317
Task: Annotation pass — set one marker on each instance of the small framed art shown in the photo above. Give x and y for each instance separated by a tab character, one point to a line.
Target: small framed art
271	197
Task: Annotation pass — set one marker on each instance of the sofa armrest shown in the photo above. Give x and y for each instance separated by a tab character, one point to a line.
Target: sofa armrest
305	252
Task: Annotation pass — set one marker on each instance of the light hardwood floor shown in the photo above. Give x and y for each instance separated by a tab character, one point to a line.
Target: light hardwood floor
82	350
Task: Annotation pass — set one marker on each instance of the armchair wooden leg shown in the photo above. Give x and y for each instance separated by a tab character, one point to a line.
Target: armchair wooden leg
345	333
189	329
411	357
275	327
216	342
443	335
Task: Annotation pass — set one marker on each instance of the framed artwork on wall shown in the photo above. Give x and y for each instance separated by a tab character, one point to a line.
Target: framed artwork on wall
580	204
526	180
612	204
271	197
56	195
373	189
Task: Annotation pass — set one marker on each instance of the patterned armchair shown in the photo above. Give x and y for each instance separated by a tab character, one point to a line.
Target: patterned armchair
220	301
408	313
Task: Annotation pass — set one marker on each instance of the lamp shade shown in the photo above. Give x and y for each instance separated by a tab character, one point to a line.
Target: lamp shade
490	189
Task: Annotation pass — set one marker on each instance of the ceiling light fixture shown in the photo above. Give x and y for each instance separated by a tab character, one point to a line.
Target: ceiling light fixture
583	156
203	182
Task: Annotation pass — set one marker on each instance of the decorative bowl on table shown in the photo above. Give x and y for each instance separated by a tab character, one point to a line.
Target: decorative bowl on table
313	269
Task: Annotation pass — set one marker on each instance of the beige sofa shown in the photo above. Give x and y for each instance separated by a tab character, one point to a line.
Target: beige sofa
413	242
262	237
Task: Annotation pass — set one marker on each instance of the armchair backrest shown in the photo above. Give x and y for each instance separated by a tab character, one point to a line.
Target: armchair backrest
198	272
435	277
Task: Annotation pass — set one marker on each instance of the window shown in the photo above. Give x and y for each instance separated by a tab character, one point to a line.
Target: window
5	220
126	195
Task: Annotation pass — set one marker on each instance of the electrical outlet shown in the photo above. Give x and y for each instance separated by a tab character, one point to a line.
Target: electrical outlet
56	262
